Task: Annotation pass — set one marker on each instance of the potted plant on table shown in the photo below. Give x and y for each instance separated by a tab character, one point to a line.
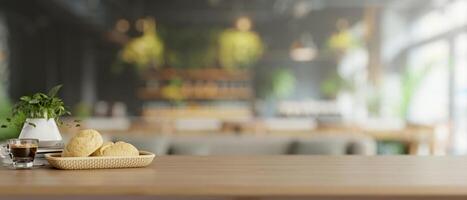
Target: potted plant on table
38	116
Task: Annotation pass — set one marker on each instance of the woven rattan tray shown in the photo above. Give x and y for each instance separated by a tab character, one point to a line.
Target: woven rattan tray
144	159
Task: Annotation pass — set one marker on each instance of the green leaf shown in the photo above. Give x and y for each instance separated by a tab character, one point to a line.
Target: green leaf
25	98
33	101
54	90
41	96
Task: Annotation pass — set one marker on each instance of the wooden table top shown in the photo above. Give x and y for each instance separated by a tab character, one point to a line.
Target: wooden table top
234	176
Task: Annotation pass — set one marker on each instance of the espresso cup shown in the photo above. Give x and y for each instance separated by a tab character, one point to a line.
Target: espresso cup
21	152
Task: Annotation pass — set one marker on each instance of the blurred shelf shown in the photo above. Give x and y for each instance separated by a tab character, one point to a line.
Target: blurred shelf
205	74
209	84
232	94
225	113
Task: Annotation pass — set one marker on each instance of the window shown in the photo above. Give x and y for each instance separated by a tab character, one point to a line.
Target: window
429	69
460	94
439	21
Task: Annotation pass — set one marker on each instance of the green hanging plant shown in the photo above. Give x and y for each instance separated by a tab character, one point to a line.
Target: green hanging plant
239	49
145	51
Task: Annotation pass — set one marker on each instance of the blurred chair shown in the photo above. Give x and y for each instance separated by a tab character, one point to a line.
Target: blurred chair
289	125
334	145
197	125
362	145
230	145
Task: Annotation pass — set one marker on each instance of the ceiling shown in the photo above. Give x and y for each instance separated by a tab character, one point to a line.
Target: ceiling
293	17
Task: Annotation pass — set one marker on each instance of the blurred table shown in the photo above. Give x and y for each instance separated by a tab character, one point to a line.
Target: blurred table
237	177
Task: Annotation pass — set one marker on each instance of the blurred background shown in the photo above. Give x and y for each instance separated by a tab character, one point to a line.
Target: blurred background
229	77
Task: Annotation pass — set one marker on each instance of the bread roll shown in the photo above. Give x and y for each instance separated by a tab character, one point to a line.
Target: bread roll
83	144
99	151
117	149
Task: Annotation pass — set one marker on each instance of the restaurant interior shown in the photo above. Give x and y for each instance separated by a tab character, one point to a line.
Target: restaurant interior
246	77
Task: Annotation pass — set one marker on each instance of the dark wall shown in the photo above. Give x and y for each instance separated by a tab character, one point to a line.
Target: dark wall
46	50
43	53
116	86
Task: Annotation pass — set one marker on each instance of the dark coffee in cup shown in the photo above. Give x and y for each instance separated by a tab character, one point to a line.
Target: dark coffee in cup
23	152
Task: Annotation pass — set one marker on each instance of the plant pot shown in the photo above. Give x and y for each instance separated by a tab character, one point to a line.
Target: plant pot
45	130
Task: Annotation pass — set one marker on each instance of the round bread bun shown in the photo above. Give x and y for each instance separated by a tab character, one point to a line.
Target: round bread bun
83	144
99	151
119	149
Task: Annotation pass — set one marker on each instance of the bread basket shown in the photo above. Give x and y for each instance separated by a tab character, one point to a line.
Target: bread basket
71	163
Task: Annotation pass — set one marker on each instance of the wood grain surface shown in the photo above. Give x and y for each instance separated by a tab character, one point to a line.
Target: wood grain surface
242	176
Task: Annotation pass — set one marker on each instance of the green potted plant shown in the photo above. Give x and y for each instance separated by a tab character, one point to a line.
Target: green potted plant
38	116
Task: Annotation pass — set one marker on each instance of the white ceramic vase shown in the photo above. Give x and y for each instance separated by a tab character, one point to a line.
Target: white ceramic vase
45	130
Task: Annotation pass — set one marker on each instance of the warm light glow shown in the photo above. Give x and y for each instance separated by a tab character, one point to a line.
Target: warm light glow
122	25
302	53
302	8
243	24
